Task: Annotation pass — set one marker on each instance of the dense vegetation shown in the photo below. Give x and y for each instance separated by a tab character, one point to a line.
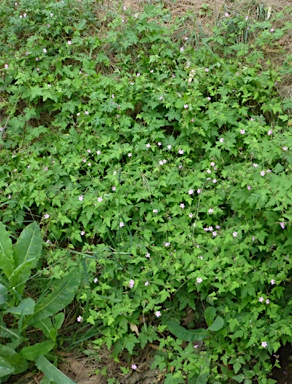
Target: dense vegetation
152	162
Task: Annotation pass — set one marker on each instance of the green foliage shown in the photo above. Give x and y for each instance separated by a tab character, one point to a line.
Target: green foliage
15	348
160	161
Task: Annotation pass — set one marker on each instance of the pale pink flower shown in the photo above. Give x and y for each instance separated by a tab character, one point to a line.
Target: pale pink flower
199	280
155	210
208	171
226	14
146	284
255	165
270	132
44	50
182	205
98	152
46	216
186	106
214	233
134	367
82	233
99	199
267	301
199	191
211	210
95	280
235	234
181	151
264	344
69	42
214	181
147	255
272	30
212	164
159	143
285	148
282	224
166	244
191	215
148	145
131	283
206	69
248	187
130	154
122	224
181	49
79	319
221	140
86	113
81	197
261	299
242	131
157	313
272	282
263	173
6	66
169	147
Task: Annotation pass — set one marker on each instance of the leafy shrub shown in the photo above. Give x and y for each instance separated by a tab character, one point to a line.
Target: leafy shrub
162	161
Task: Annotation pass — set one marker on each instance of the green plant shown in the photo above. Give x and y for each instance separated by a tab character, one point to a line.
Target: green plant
21	313
160	159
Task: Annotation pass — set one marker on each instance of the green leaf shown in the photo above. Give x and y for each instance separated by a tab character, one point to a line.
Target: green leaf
217	325
61	296
209	315
6	253
186	335
33	352
27	252
5	368
201	378
51	372
28	246
26	307
46	326
13	359
3	294
59	320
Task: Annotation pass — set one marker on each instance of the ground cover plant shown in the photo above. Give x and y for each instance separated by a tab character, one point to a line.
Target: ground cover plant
155	159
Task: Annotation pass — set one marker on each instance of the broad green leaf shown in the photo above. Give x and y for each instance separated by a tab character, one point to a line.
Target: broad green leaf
47	327
28	245
186	335
59	320
26	307
33	352
209	315
9	333
6	252
12	358
5	368
217	325
51	372
59	298
3	294
27	252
